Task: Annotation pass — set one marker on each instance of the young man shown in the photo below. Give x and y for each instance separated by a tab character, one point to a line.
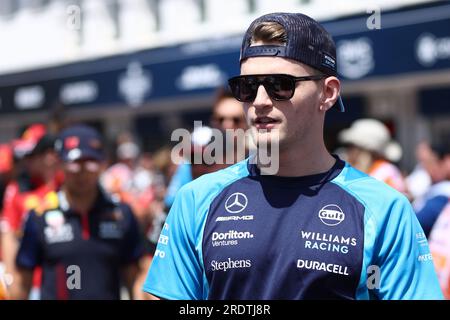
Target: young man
318	229
87	243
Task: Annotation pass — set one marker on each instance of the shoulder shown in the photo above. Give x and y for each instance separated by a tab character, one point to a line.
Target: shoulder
212	183
11	190
49	202
114	207
379	199
193	200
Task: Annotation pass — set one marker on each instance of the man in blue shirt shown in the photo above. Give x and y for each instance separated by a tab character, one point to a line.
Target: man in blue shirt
318	228
87	243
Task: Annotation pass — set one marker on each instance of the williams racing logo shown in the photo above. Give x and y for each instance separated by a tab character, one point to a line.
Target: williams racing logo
331	215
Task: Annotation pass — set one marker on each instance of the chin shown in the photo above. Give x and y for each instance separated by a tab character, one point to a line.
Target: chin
269	139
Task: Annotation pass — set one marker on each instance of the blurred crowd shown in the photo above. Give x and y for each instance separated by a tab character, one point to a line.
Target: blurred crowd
48	177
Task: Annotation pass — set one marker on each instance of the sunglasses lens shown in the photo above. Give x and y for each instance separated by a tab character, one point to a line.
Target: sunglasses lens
73	167
92	166
279	87
76	167
245	88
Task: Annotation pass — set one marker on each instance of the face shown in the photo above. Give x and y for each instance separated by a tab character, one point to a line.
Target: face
229	114
33	164
81	177
296	120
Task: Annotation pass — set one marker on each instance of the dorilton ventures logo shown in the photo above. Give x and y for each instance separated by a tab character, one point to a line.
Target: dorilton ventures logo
230	238
230	264
232	234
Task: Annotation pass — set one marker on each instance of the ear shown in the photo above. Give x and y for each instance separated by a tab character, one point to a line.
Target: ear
331	90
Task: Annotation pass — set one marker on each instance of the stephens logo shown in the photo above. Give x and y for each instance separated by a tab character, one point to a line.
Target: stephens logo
331	215
230	264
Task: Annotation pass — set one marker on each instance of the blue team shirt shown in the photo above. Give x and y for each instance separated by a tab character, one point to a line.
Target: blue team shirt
237	234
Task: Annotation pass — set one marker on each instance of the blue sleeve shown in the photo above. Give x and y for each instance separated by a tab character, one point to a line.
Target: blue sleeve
176	271
429	213
30	250
132	246
182	176
403	256
397	263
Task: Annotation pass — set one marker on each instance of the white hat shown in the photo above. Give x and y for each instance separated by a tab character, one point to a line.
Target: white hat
201	136
372	135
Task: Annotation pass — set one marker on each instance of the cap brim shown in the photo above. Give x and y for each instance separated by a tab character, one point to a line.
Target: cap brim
23	148
345	136
393	151
82	155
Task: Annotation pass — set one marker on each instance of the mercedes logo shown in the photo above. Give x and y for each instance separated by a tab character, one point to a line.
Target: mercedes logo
236	202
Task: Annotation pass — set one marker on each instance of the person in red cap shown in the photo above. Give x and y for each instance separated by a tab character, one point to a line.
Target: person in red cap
36	176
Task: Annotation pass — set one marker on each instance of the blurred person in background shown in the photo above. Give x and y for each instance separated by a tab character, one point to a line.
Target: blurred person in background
436	198
152	215
36	174
371	150
133	177
420	179
439	237
163	164
134	180
82	227
118	178
227	114
6	166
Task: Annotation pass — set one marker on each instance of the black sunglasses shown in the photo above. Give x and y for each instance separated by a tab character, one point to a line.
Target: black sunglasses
279	87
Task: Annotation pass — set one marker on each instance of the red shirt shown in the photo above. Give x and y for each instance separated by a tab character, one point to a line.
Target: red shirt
16	204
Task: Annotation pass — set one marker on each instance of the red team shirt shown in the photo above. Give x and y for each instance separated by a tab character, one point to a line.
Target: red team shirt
16	205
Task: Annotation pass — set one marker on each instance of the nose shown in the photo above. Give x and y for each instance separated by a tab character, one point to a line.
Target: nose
262	99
